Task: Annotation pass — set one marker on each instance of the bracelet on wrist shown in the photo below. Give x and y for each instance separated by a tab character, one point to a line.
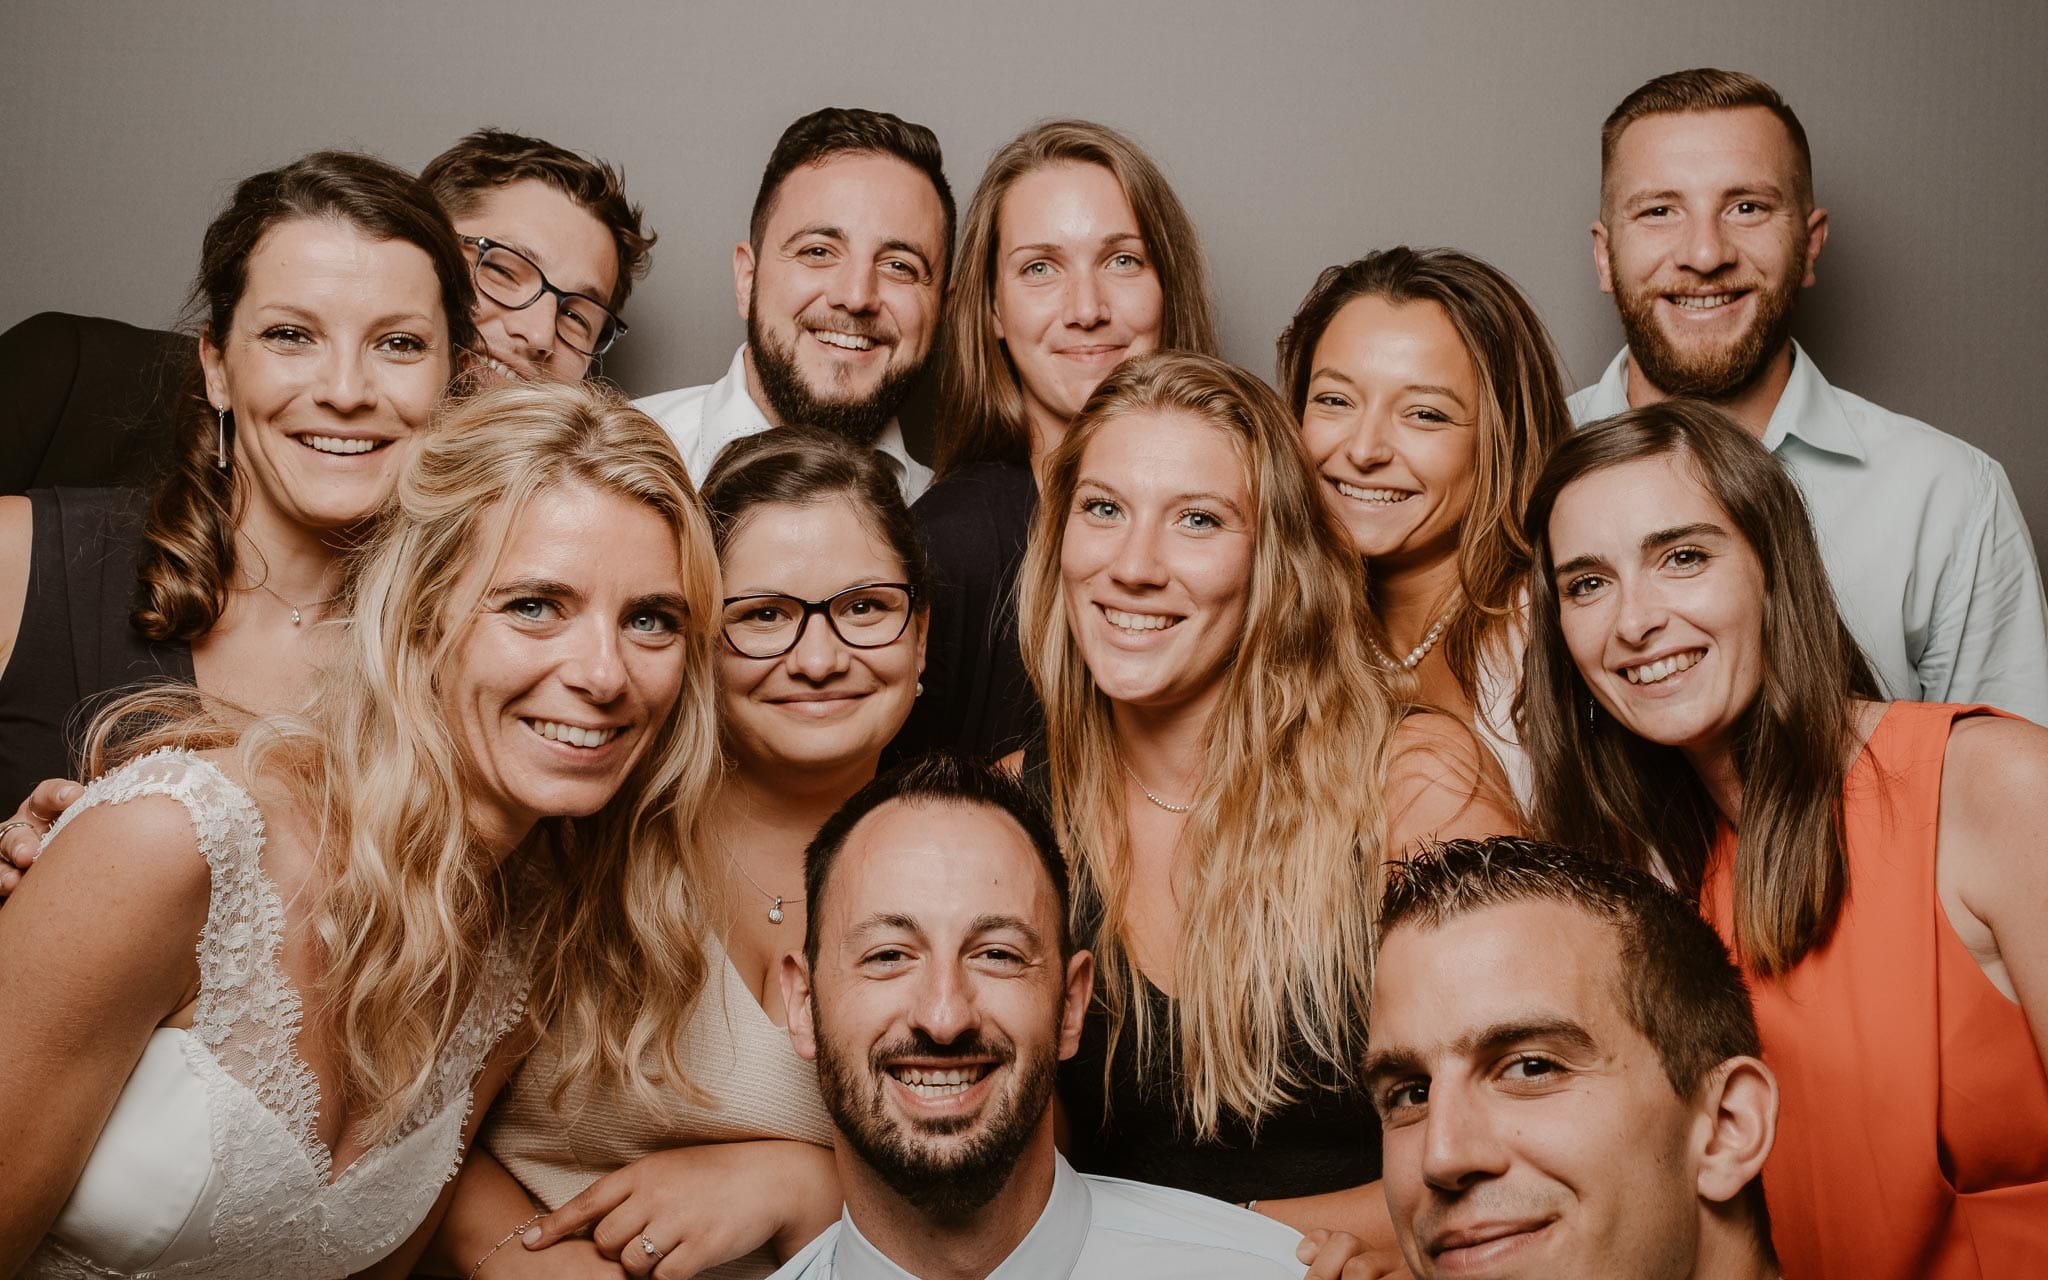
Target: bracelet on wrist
507	1239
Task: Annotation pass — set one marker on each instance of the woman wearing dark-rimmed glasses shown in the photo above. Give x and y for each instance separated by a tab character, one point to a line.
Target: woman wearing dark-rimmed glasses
824	627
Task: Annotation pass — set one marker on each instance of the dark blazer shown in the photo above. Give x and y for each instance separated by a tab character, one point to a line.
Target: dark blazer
86	401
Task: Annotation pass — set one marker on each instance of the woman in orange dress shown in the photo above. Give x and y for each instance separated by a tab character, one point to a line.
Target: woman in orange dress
1693	702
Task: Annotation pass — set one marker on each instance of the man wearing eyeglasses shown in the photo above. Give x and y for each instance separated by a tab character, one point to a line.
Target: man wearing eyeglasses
840	282
554	244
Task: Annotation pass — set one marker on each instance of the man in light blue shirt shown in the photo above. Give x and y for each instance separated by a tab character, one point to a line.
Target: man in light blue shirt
938	990
1707	233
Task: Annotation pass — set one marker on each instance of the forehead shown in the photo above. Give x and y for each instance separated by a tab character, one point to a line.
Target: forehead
1518	963
941	864
800	548
1617	505
1064	202
1417	334
336	263
867	196
591	539
571	243
1165	451
1706	149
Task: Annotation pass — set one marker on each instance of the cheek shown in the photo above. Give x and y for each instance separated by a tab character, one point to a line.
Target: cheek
1321	438
1142	308
1583	634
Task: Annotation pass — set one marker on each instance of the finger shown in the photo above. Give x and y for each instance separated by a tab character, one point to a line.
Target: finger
594	1202
51	798
1311	1243
687	1259
9	879
1331	1256
618	1237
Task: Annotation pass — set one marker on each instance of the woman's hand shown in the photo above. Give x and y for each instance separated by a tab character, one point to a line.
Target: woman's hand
703	1205
1339	1255
21	836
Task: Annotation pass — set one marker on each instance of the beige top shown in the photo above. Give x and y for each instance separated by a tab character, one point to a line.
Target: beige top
753	1083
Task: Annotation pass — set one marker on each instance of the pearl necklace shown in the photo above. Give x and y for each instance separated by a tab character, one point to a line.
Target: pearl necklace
1420	651
1170	808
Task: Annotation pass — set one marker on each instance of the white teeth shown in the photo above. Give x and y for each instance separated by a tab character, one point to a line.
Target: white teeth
1663	668
575	736
938	1084
1138	621
1702	302
850	341
335	444
502	369
1382	496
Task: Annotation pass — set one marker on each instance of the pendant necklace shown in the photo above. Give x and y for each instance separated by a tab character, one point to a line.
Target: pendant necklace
264	586
1170	808
775	900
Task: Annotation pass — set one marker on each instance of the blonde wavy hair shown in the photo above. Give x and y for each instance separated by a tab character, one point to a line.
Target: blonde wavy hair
1285	842
608	906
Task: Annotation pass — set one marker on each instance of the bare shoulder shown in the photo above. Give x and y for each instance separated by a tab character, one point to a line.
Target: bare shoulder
17	537
1442	783
146	841
1994	800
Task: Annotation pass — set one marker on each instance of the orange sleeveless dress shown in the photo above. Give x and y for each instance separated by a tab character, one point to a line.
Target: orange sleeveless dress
1913	1121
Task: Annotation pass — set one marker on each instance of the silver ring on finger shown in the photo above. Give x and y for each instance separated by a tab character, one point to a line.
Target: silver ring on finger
8	826
649	1248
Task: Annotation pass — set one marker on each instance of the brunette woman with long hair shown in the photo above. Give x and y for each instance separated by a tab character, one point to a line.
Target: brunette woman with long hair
1429	395
1075	254
333	302
1694	702
1229	772
281	965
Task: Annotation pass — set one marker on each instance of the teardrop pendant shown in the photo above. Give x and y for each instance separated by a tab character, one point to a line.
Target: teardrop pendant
295	615
775	912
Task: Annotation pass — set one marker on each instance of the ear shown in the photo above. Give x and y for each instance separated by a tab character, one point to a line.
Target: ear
743	278
215	369
922	626
1816	236
796	998
1079	990
995	314
1739	1115
1603	271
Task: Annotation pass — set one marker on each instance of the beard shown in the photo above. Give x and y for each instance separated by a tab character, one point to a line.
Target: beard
859	419
947	1185
1713	374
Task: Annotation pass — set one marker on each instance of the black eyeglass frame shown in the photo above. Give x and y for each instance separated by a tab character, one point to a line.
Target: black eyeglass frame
484	244
822	608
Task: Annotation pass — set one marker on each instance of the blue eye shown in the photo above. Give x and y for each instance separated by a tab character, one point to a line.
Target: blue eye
1100	508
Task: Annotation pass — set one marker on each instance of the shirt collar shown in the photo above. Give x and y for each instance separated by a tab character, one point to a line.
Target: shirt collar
731	414
1049	1251
1810	412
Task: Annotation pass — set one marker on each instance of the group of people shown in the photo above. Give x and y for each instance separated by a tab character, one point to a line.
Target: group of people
1404	822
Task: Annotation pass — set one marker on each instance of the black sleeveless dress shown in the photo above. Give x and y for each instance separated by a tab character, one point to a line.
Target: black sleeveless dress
1122	1121
76	647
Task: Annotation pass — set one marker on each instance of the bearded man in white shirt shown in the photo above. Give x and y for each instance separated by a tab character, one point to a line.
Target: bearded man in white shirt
1707	232
840	281
938	990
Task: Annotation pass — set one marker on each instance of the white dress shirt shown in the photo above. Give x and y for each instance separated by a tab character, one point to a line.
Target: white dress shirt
703	420
1932	565
1093	1228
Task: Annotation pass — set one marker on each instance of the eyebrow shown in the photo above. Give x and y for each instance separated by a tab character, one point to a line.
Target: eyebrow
1671	195
1194	495
830	232
884	922
1046	246
993	923
1650	542
302	313
1484	1042
535	587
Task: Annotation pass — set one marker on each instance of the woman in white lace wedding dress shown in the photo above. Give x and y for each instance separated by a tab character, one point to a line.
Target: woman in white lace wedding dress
275	963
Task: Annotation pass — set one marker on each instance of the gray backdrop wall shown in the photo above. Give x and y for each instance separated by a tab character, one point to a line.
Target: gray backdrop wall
1299	133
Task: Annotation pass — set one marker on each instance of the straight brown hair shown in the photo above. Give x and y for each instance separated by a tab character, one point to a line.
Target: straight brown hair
1601	788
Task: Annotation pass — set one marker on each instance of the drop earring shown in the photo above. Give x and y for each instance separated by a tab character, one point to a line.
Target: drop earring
220	439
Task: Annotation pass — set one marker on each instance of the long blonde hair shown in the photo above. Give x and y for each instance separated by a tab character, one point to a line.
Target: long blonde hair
1284	844
979	399
411	907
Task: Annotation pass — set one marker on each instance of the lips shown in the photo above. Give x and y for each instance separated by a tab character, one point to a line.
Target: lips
1137	623
1469	1249
581	737
844	341
340	446
1376	497
1661	669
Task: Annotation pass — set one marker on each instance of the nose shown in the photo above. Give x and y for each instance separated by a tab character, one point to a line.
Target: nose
1639	613
1707	246
347	384
595	667
531	328
1140	560
1459	1145
944	1006
1371	442
1087	304
853	288
819	653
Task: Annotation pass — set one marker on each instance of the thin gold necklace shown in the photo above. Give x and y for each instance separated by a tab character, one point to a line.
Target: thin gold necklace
775	900
296	609
1169	807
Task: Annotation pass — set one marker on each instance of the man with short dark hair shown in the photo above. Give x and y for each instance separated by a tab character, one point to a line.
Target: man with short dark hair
937	991
1707	232
840	281
554	244
1566	1069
